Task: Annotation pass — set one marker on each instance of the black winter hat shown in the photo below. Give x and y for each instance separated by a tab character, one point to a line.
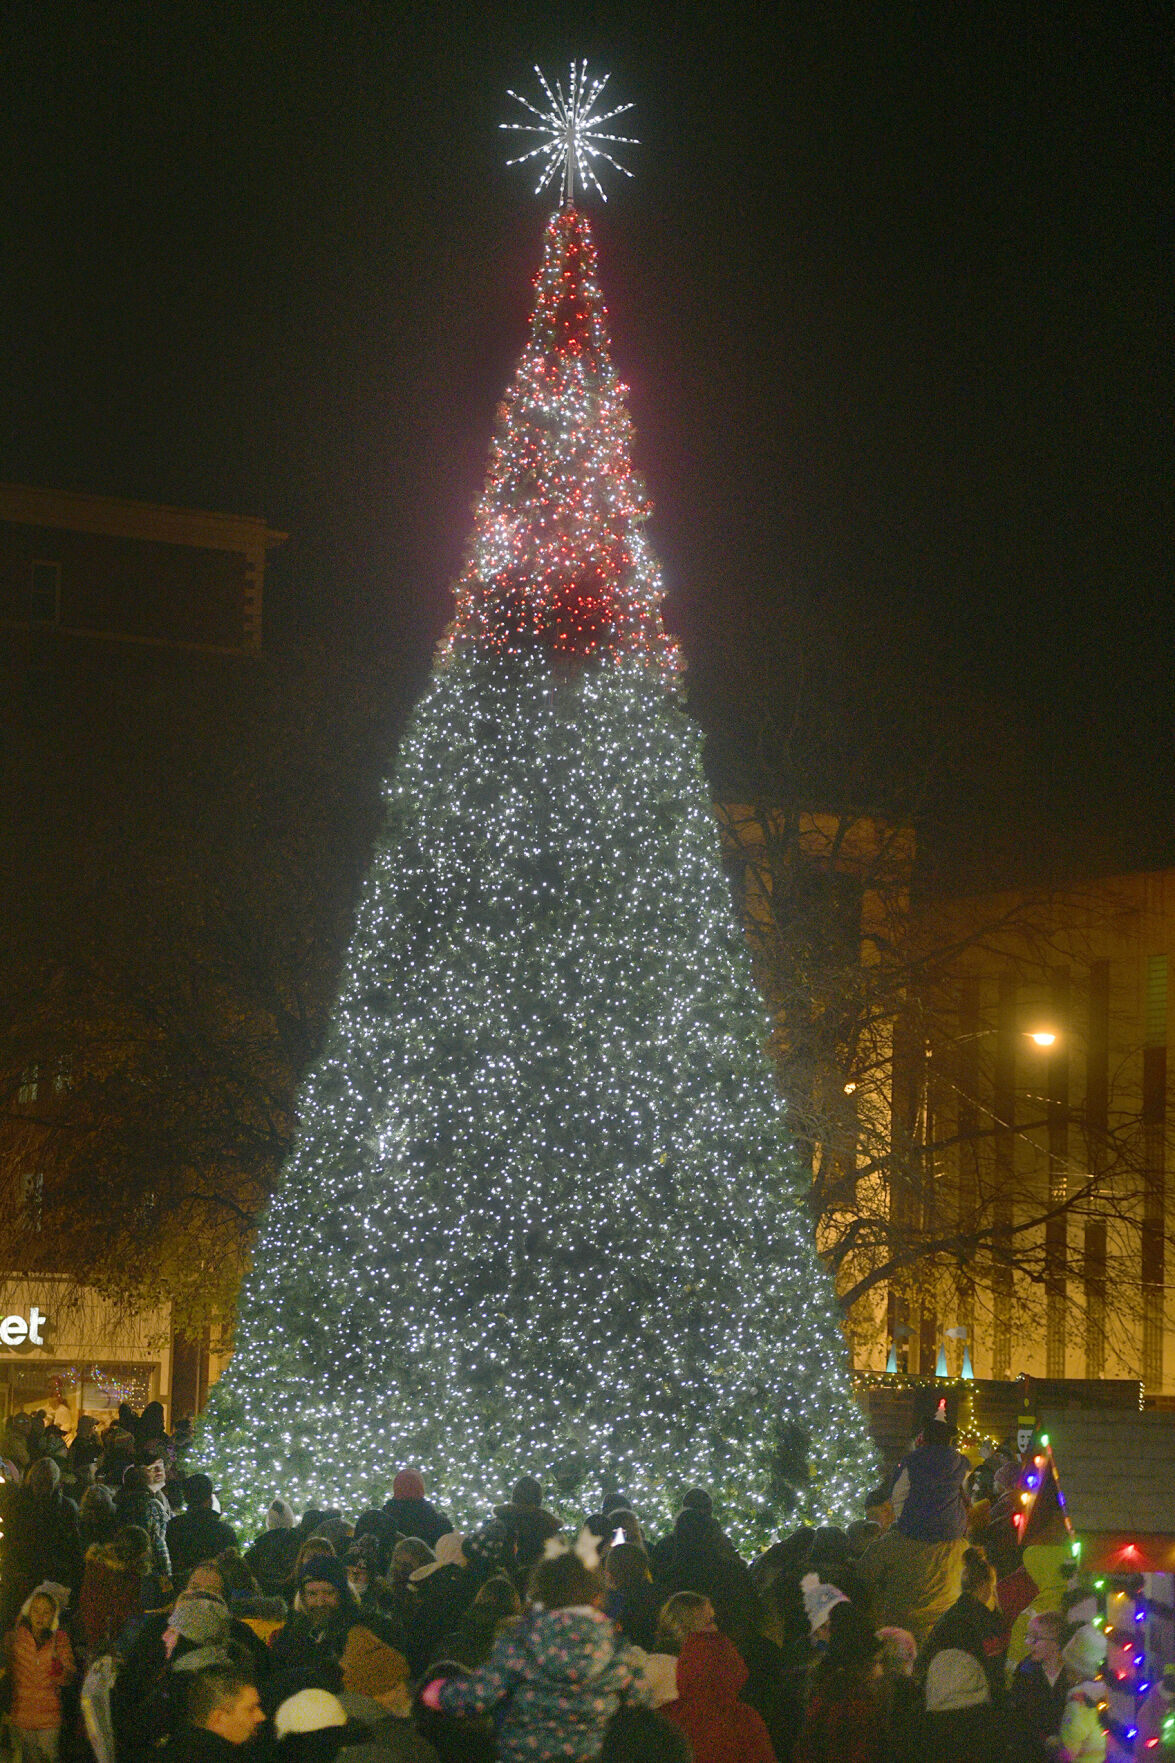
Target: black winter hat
324	1570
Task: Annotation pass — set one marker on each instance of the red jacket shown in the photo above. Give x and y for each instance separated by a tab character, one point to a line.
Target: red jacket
849	1731
111	1594
38	1673
720	1728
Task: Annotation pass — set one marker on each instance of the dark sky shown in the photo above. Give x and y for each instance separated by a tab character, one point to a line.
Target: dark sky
889	288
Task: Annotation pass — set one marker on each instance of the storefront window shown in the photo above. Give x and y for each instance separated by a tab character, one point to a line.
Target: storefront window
62	1390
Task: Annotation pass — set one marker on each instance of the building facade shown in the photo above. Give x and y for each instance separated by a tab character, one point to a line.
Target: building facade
1039	1092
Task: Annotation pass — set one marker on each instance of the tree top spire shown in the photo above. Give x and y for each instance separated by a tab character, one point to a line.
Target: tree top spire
571	130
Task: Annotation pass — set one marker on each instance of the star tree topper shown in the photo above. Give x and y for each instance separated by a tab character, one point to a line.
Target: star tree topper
572	129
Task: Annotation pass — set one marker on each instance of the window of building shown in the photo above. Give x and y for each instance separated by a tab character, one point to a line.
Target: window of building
45	593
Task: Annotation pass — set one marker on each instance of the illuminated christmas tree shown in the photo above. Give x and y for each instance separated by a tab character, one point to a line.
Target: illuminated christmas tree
542	1213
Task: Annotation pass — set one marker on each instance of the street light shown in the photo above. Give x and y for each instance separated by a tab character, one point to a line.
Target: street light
1042	1037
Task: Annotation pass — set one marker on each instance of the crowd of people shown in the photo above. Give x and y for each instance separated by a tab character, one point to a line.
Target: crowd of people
141	1623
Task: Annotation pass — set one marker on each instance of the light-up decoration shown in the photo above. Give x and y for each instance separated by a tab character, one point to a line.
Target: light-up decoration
542	1213
571	131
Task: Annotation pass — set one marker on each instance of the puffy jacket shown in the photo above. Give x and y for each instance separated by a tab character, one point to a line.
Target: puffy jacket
562	1674
720	1728
38	1672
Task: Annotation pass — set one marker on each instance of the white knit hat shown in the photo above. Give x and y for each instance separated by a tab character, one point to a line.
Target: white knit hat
955	1679
819	1599
1085	1652
309	1711
449	1554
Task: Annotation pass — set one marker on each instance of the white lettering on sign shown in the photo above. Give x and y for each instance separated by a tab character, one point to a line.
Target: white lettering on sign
15	1330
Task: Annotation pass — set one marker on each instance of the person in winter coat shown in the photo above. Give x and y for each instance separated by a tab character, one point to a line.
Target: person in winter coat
698	1563
271	1558
41	1539
720	1728
528	1523
324	1613
495	1608
846	1718
134	1503
411	1514
912	1572
558	1676
975	1625
40	1660
959	1724
197	1534
444	1590
97	1520
87	1446
1081	1738
1039	1687
117	1585
223	1712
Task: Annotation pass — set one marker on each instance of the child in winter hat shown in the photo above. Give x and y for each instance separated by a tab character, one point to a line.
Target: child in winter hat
40	1662
1081	1736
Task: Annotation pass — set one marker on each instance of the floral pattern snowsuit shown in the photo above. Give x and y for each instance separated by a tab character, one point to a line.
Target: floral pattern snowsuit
562	1675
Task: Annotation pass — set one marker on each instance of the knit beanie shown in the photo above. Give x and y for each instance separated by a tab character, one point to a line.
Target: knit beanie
201	1658
1085	1652
819	1600
955	1679
408	1485
200	1619
279	1516
308	1711
324	1570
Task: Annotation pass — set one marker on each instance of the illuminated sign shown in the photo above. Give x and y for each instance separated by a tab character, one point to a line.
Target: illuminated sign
16	1330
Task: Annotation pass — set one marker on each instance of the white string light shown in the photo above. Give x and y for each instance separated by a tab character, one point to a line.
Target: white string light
571	131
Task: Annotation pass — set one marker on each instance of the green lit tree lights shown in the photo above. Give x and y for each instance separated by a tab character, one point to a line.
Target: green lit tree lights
541	1211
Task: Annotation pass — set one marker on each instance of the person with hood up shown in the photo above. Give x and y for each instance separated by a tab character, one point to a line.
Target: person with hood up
40	1662
324	1614
41	1540
117	1585
528	1522
271	1558
1081	1737
720	1728
558	1676
411	1514
959	1724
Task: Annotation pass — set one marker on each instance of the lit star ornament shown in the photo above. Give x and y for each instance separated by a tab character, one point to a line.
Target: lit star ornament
572	130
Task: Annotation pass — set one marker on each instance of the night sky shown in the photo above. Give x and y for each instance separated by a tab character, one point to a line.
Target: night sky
888	287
